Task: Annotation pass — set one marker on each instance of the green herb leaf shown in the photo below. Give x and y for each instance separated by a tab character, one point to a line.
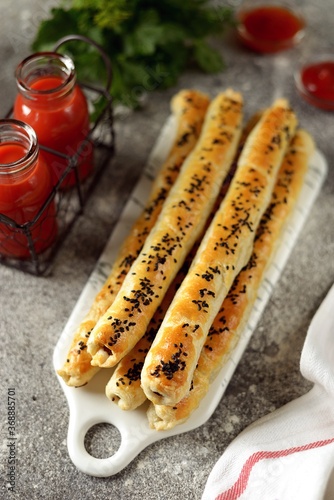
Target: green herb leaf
149	42
145	38
62	23
207	58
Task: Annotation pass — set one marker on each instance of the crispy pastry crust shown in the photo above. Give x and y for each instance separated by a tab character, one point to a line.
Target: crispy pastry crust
180	223
234	312
225	249
189	108
124	387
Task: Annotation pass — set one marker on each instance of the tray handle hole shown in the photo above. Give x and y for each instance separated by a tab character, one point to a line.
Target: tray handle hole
102	440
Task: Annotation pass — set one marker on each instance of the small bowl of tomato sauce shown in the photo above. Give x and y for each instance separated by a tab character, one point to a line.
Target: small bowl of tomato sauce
315	81
269	27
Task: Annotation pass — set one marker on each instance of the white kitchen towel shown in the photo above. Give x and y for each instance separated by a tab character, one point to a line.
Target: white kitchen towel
288	454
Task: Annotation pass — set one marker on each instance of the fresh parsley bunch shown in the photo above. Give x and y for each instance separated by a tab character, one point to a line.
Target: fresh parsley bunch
149	42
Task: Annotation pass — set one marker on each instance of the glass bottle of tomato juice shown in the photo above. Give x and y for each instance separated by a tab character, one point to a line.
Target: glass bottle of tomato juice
28	212
50	100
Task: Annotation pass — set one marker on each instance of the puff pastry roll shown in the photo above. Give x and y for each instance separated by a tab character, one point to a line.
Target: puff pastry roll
189	108
235	310
124	387
226	248
180	222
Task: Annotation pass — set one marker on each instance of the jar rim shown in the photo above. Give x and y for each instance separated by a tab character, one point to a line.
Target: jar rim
64	62
11	131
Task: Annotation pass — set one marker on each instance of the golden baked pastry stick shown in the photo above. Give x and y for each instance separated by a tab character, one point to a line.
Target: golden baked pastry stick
189	108
124	386
181	221
236	308
225	249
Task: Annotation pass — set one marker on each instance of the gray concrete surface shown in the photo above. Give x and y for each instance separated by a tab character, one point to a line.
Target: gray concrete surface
34	310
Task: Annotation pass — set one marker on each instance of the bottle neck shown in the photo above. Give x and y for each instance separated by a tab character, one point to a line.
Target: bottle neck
46	79
18	149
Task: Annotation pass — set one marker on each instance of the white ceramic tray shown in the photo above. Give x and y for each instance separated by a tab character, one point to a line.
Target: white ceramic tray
88	405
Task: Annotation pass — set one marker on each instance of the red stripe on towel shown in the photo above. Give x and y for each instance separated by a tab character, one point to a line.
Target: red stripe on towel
241	484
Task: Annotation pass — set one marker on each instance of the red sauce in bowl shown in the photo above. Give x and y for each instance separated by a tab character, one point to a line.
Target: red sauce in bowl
269	28
317	84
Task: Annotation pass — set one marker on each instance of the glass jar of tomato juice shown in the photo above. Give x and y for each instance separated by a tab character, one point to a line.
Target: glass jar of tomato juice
50	100
28	214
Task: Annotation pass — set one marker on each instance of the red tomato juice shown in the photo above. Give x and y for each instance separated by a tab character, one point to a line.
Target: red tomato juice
22	194
61	124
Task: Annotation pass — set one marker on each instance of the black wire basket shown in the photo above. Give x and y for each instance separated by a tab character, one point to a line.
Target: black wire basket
69	203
